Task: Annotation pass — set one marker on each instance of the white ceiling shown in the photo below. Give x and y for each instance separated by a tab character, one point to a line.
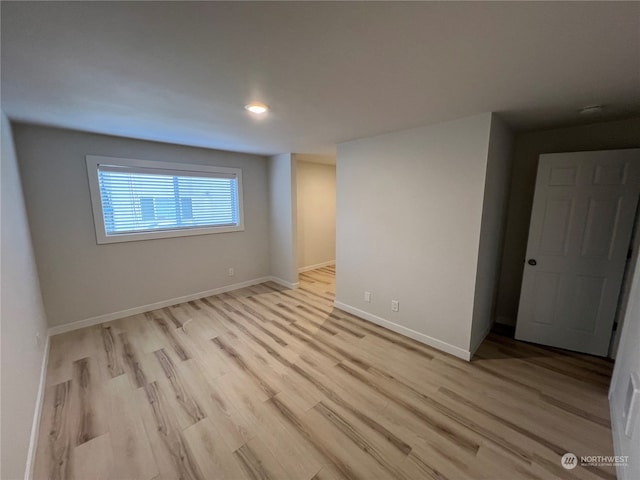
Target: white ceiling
181	72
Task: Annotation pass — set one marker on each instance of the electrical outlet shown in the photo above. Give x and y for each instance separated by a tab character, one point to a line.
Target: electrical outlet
395	306
232	272
367	297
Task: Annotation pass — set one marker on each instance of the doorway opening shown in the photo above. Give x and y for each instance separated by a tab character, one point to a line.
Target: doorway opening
316	211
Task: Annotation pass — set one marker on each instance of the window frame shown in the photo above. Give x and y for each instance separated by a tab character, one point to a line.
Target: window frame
94	161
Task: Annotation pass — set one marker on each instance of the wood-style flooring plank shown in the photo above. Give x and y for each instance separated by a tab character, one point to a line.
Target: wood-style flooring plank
211	453
258	462
94	459
54	458
172	454
129	440
87	402
270	383
110	351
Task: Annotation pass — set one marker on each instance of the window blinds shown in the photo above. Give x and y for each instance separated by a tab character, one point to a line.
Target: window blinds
138	199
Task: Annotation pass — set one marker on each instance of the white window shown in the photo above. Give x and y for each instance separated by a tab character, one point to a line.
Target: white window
141	199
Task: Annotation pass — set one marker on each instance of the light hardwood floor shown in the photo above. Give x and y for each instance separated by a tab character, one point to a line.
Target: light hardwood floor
266	382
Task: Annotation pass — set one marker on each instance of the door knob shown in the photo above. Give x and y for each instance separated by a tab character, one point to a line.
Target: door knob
532	261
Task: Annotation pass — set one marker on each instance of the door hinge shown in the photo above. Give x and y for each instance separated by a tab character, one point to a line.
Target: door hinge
629	253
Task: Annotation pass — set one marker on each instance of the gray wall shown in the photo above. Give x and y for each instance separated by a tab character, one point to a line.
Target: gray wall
494	212
528	146
80	279
408	228
316	185
22	315
283	218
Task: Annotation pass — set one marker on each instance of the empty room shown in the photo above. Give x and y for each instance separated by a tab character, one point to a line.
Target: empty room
301	240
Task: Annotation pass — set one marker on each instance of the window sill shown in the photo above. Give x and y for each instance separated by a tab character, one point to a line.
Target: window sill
182	232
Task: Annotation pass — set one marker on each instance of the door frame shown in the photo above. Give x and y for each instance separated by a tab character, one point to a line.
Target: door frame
625	287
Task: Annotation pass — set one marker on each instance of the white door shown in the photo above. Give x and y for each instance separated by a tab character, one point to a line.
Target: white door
583	213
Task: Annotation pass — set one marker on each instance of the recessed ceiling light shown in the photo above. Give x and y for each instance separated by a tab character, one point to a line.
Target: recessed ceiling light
591	110
258	108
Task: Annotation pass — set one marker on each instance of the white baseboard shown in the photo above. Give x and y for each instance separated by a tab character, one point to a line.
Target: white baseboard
35	427
284	283
479	341
317	265
88	322
407	332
